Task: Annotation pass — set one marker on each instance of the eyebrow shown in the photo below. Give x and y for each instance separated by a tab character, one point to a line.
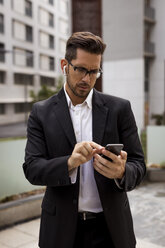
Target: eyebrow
86	68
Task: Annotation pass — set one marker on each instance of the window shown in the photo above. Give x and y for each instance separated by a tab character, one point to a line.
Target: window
2	108
23	79
22	107
51	20
51	63
19	30
29	58
2	52
19	107
1	24
51	41
46	18
47	81
22	32
2	77
51	2
46	40
23	57
46	63
28	8
19	6
29	33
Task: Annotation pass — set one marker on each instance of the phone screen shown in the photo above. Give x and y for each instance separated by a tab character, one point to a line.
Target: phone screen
114	148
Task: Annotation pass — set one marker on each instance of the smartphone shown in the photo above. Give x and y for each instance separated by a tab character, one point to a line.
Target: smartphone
114	148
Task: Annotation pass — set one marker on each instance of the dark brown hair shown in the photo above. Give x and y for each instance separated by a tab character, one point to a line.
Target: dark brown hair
86	41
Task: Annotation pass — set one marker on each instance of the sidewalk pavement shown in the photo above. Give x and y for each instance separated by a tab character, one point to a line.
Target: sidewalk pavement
147	204
26	236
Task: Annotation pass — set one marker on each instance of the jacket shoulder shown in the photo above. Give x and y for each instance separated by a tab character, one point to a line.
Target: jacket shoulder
110	99
49	101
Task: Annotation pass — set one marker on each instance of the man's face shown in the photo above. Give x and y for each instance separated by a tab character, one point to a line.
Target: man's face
78	85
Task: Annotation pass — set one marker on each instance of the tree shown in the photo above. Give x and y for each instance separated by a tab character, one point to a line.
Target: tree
45	92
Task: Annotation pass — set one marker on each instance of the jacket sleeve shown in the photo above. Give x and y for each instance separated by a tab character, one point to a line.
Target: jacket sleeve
38	168
135	165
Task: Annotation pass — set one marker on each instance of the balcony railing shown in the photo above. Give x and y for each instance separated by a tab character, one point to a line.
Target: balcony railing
149	49
149	13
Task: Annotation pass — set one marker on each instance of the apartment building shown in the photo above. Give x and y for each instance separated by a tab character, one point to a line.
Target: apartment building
33	36
135	55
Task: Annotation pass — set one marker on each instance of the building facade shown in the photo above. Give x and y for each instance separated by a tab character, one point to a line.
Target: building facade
33	36
134	59
87	16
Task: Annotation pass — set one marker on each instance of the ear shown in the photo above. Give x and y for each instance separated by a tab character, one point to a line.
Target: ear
64	70
64	66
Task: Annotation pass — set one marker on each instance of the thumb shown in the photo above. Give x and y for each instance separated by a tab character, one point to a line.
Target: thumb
123	155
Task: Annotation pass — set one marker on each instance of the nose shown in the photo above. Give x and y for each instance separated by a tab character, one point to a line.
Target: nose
86	78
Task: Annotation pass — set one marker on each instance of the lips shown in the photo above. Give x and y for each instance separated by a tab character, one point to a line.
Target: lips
83	86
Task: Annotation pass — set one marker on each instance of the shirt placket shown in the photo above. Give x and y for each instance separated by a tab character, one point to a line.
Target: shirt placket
77	113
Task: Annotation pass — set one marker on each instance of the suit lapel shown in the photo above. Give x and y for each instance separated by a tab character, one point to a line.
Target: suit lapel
99	117
62	113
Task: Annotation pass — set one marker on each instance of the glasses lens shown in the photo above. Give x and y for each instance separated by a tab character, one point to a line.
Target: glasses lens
81	71
98	75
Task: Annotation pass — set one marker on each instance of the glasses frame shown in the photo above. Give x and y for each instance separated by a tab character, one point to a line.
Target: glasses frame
100	71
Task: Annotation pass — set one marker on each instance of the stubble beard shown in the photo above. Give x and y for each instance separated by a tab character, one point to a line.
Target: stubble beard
82	94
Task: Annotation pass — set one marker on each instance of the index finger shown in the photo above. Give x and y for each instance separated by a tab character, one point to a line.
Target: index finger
96	146
109	154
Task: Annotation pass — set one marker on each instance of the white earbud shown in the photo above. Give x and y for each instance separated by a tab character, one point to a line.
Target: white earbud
64	68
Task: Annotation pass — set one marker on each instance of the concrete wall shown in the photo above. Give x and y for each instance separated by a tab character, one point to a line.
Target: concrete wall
157	72
123	29
124	78
155	144
12	179
123	66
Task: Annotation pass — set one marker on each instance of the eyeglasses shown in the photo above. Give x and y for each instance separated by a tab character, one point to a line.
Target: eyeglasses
82	72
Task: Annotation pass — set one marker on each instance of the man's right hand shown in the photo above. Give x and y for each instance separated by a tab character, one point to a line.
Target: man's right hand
82	153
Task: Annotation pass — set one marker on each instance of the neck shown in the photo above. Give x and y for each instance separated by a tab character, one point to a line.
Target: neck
74	99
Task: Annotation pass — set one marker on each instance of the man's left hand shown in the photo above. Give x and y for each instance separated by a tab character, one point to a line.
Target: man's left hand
114	169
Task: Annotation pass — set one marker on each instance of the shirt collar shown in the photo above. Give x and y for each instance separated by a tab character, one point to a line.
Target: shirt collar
88	100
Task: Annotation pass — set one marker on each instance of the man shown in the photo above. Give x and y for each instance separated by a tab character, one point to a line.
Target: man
85	204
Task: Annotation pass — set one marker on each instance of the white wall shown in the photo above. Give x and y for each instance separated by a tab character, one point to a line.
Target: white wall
125	78
155	144
157	72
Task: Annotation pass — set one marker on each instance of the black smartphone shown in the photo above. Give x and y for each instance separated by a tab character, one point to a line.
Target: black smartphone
114	148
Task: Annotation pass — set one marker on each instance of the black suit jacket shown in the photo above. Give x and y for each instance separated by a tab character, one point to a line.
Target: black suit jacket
51	140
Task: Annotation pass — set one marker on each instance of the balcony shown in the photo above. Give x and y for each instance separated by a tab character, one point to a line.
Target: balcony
149	14
149	49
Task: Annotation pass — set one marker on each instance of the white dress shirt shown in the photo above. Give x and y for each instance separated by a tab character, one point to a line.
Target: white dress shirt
81	116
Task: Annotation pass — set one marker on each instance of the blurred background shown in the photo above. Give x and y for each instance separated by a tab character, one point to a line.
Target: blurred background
33	35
